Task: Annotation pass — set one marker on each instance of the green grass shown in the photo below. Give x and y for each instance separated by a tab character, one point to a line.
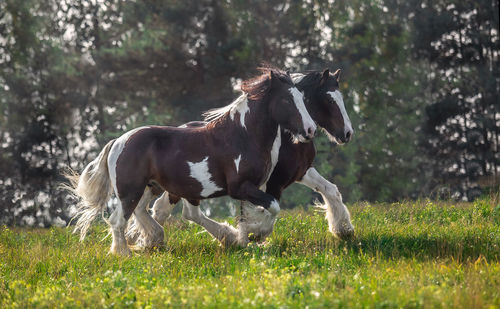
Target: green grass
412	254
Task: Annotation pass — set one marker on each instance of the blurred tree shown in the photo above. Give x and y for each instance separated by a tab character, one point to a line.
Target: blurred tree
74	74
384	88
33	113
371	43
460	40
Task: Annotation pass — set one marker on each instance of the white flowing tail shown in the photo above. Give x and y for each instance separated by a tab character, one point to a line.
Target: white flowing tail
92	188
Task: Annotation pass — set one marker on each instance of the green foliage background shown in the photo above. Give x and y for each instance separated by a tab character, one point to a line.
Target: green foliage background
420	81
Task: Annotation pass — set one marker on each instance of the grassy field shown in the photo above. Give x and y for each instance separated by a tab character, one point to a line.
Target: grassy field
415	254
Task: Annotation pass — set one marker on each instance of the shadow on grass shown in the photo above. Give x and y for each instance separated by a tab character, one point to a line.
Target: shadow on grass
423	247
419	247
392	246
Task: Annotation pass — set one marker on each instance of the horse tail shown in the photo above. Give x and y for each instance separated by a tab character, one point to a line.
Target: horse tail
92	188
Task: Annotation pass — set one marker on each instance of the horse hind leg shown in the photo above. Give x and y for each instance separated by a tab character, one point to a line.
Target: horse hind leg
162	208
118	223
121	215
223	232
132	233
150	232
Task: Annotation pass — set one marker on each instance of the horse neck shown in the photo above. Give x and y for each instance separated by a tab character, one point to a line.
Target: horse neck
261	128
259	131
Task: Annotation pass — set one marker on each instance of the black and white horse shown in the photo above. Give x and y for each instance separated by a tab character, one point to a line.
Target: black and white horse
325	104
233	154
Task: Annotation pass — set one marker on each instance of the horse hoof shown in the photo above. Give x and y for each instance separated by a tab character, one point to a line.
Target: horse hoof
344	234
132	239
147	248
125	252
274	209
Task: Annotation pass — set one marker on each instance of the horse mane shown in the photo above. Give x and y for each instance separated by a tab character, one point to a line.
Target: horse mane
258	87
216	113
255	89
297	77
306	80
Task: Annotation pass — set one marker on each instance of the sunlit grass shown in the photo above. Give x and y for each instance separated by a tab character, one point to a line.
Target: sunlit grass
412	254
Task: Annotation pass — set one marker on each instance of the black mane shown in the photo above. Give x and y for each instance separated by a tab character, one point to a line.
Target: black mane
256	88
311	79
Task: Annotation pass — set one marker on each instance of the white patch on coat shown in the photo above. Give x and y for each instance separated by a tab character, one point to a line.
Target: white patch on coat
199	171
297	77
183	126
337	97
115	153
275	153
239	105
237	163
298	99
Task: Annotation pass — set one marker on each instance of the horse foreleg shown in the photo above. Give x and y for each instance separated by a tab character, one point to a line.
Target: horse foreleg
151	232
223	232
255	220
247	191
337	214
255	223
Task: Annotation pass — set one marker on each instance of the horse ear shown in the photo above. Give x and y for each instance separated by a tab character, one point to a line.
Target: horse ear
336	75
271	75
324	77
271	78
326	73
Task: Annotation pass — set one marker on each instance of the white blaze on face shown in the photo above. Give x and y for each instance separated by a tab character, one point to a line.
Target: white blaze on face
298	99
337	97
237	163
115	153
199	171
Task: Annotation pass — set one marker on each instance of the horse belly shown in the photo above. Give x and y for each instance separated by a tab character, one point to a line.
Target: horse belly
192	180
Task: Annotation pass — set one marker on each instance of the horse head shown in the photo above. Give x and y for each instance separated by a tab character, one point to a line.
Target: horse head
285	102
325	103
